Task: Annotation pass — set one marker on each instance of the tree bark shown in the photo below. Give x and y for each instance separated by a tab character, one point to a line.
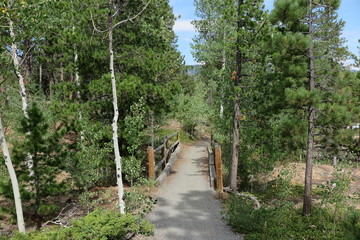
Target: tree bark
40	77
235	146
236	121
116	114
311	127
17	70
14	181
78	84
24	101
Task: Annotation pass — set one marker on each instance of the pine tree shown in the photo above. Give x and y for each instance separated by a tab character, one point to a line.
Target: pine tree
310	41
47	155
231	29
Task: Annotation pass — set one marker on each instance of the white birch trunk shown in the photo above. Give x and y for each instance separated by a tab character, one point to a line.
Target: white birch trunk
24	101
77	82
14	181
116	117
18	73
40	76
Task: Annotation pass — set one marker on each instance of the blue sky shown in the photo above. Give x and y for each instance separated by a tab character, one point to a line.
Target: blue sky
349	11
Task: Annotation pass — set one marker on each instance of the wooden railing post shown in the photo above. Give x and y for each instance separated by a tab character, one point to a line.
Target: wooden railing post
165	151
218	166
151	163
178	136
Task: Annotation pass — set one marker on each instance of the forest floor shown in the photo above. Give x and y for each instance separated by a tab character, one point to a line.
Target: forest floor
187	207
322	174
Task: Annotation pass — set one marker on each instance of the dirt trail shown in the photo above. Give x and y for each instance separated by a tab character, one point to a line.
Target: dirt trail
186	208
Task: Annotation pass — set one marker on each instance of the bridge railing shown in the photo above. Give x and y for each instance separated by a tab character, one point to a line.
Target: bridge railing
215	166
161	159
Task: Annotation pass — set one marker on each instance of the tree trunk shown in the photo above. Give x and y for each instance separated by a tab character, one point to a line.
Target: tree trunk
77	83
311	128
116	114
20	77
236	120
17	70
14	181
235	146
62	73
40	77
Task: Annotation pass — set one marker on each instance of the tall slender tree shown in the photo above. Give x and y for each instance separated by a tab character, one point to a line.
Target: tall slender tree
14	181
313	66
114	10
232	29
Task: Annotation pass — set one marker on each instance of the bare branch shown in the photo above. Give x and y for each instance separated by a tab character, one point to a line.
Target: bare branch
115	14
24	56
132	18
95	28
63	219
302	52
3	81
256	201
261	27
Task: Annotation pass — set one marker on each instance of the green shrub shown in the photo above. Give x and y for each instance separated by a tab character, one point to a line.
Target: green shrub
132	169
98	225
351	225
137	202
282	221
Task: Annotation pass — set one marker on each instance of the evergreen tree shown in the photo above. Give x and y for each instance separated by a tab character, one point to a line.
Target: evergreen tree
231	29
309	36
47	155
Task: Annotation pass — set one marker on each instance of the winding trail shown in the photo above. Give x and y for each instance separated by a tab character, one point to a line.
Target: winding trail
186	208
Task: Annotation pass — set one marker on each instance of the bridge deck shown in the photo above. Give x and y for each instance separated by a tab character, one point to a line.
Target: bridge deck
186	207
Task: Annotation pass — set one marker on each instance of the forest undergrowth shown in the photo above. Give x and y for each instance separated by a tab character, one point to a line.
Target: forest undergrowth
336	209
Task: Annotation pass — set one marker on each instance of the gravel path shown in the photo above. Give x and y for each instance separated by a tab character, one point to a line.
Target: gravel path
186	207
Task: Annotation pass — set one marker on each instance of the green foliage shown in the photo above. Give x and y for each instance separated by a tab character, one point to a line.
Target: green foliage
137	201
132	169
279	217
282	221
90	200
334	192
135	128
98	225
47	155
89	162
192	109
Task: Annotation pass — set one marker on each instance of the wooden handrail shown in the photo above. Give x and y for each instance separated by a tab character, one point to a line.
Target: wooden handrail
152	167
159	148
170	150
172	135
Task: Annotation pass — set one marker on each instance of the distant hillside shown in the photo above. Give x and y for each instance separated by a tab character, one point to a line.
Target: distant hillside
192	69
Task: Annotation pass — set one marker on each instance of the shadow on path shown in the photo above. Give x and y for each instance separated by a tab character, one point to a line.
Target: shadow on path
186	208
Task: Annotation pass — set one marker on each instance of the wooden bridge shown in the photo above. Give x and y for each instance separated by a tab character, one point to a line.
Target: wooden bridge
187	207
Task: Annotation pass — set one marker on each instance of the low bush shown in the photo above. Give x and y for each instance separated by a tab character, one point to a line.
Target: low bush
98	225
281	220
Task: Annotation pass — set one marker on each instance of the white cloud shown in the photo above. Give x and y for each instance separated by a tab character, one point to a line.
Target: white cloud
350	63
183	25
